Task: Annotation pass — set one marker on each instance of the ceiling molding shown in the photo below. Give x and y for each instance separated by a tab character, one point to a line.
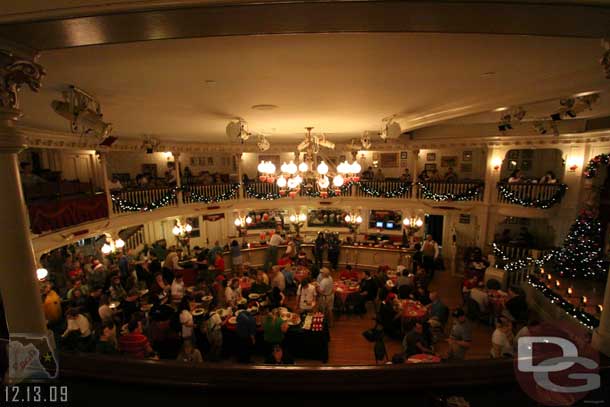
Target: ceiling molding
37	138
159	23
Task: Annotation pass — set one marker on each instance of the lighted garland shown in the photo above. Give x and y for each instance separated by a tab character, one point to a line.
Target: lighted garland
331	193
591	170
467	195
195	197
583	317
512	197
268	196
128	206
401	190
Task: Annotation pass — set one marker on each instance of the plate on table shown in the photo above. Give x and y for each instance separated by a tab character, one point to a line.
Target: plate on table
254	296
146	307
198	312
114	304
207	298
294	319
241	301
233	320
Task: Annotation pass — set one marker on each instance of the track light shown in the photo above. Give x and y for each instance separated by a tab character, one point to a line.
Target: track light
539	127
555	117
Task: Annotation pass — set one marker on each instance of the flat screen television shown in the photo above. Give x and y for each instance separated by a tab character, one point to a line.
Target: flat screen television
389	225
378	224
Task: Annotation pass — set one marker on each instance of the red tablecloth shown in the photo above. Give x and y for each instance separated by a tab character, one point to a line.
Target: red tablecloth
413	310
343	290
423	358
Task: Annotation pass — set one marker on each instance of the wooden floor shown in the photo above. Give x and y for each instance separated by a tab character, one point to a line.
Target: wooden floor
348	347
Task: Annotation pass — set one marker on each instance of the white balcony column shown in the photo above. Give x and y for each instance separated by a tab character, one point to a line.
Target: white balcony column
413	169
19	287
178	178
106	185
601	335
240	174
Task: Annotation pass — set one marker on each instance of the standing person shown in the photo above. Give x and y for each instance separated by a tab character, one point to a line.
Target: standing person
274	328
51	305
306	296
177	288
272	250
430	253
502	340
236	258
212	252
416	342
291	251
186	319
326	297
460	338
246	331
213	330
219	263
318	251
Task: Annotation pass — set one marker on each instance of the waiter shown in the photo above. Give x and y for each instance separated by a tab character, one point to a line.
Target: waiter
430	254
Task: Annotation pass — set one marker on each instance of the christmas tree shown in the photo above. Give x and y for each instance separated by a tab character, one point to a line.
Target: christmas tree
582	251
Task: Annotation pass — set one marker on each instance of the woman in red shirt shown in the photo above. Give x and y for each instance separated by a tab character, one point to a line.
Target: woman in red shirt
219	263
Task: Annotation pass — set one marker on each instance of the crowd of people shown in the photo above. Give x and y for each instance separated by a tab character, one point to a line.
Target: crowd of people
517	177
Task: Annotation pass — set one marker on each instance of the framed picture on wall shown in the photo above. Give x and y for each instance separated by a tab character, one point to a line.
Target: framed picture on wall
449	161
404	163
389	160
466	167
526	165
431	157
403	155
150	169
467	156
430	167
513	154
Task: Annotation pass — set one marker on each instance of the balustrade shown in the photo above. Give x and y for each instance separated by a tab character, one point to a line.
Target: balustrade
530	194
133	200
194	193
451	191
385	189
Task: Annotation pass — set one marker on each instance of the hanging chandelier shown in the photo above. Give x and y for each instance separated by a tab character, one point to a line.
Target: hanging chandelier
295	174
181	230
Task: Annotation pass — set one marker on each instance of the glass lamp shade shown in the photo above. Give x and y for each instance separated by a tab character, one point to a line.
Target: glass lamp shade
291	168
323	182
237	222
119	243
281	182
348	218
292	183
342	168
358	219
261	167
42	273
406	221
419	223
302	217
248	220
303	167
298	179
106	249
355	168
322	168
338	180
284	168
176	230
271	167
293	218
188	228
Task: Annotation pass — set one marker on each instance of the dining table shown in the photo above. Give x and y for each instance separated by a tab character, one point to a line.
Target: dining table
413	310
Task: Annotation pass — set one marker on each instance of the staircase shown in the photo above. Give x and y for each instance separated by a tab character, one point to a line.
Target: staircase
133	237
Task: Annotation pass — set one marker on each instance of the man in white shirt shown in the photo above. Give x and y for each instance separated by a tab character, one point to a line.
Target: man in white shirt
177	288
306	296
271	258
326	296
277	278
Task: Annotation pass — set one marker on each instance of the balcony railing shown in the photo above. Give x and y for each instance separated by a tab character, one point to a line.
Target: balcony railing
197	193
384	189
50	215
531	195
451	191
144	199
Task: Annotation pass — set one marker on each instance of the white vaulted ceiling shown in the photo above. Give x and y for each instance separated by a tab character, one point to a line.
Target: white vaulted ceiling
342	84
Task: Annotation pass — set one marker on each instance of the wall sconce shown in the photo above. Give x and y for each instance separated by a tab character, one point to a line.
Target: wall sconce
42	273
496	163
112	245
573	163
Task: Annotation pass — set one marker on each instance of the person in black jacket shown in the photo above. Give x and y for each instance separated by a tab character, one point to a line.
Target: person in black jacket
517	304
367	292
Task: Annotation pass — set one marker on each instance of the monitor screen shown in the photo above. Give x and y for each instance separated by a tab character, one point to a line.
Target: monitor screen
378	224
389	225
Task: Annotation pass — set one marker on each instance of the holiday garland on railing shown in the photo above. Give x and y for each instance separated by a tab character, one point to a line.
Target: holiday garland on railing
196	197
265	196
331	193
128	206
581	316
530	202
398	192
468	195
591	170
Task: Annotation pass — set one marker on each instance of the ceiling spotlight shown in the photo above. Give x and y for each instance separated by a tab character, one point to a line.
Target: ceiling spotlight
519	114
605	59
150	144
365	140
555	129
238	129
539	127
588	99
384	133
262	143
504	124
556	116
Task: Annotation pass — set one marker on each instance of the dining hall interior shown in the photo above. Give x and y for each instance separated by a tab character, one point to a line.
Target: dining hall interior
227	200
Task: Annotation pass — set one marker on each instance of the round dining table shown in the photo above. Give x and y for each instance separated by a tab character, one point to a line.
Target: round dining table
413	310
